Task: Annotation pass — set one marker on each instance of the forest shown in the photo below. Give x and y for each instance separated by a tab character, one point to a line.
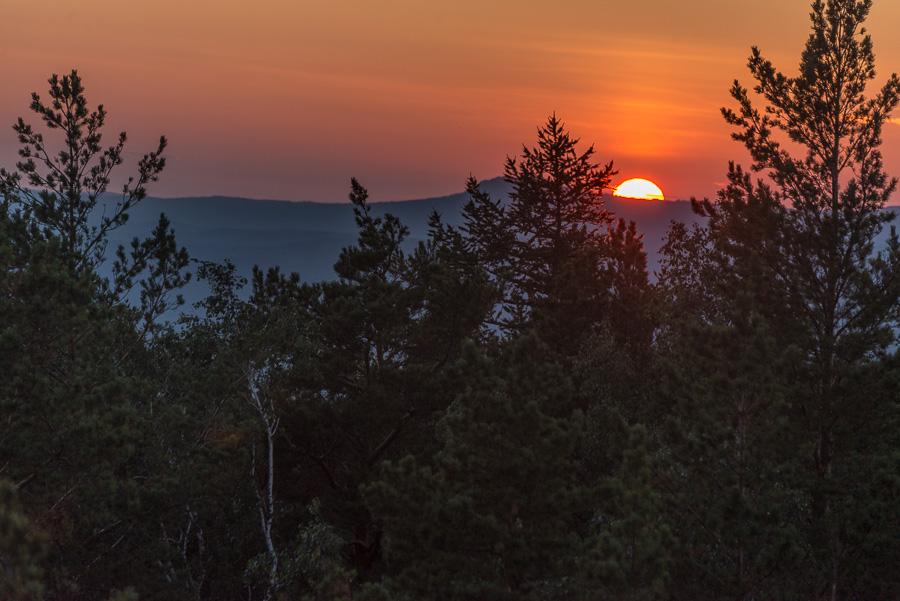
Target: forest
513	410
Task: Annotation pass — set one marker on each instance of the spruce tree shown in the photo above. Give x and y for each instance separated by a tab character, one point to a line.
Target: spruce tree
562	262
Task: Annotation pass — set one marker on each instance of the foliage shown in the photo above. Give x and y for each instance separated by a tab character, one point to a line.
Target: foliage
63	192
72	395
634	542
562	262
791	258
386	334
21	548
506	410
499	510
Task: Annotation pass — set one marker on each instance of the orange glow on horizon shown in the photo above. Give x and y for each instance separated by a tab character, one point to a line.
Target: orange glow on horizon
641	189
285	100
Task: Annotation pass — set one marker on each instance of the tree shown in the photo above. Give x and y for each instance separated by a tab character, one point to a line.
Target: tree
66	191
634	545
560	259
20	550
62	191
382	340
499	512
729	462
798	249
77	409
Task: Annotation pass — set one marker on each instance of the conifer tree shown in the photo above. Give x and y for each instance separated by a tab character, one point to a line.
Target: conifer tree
66	193
21	547
500	513
634	542
387	333
73	397
796	248
730	461
562	262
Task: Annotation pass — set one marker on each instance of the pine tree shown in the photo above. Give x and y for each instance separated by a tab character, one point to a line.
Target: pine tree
797	249
76	407
500	513
65	192
21	548
634	542
729	459
386	334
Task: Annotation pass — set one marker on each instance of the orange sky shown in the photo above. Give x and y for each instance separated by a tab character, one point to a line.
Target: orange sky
288	99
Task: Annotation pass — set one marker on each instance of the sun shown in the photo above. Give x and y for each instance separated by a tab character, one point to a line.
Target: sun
643	189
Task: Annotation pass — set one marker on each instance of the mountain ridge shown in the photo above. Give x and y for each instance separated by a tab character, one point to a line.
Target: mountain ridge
306	237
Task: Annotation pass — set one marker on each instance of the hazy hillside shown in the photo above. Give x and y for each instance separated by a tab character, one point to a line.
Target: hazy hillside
306	237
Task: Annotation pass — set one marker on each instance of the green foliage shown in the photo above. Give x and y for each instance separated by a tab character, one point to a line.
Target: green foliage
309	567
73	396
498	513
561	261
61	189
507	410
127	594
730	456
386	336
634	545
839	297
70	427
65	193
797	316
21	549
556	210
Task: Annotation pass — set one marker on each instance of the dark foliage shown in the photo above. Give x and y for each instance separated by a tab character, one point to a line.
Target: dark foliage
506	410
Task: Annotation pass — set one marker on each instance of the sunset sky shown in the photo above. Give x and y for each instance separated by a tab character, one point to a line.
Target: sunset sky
287	99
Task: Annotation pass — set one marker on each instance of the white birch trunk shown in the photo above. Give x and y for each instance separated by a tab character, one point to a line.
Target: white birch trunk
266	499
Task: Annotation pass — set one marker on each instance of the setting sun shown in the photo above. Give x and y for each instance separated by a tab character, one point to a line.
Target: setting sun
639	188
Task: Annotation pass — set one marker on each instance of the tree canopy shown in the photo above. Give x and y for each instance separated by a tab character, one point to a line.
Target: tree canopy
509	409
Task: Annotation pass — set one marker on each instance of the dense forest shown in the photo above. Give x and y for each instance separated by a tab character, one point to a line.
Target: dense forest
512	410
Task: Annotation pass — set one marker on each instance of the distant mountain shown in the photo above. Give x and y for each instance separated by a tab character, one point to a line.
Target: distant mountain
307	237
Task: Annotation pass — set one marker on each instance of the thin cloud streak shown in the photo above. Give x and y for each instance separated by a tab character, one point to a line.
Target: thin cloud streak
285	99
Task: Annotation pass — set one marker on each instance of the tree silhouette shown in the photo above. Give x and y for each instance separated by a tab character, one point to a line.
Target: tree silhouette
558	255
798	248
